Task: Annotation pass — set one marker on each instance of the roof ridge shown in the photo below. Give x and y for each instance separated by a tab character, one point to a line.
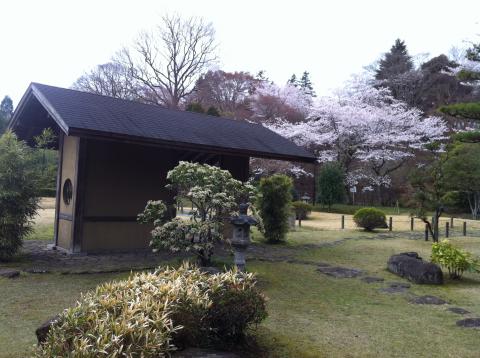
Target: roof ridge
157	106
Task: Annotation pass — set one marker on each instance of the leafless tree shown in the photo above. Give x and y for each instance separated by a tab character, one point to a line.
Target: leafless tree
110	79
167	61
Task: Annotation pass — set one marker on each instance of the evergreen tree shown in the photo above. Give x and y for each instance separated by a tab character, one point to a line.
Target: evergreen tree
6	111
395	62
473	53
213	111
293	81
195	107
331	184
306	84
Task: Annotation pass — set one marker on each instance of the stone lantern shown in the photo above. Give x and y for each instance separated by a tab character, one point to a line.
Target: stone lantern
241	235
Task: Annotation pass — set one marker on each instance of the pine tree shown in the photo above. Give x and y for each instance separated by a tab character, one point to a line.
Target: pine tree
395	62
306	84
293	81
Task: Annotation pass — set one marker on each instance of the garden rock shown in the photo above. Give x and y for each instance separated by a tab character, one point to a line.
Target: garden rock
372	279
339	272
469	323
428	300
9	273
43	330
458	310
411	266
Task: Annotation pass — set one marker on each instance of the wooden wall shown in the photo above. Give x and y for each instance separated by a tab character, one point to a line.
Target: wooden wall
117	180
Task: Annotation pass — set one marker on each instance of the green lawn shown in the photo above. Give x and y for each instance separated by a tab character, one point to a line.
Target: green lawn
310	314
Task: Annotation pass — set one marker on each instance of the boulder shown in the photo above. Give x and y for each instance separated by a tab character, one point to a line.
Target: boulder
411	266
43	330
9	273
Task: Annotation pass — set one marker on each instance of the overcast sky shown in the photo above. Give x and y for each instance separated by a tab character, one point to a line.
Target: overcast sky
54	42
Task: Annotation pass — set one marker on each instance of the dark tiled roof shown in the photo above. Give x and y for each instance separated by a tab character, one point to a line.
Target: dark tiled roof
83	112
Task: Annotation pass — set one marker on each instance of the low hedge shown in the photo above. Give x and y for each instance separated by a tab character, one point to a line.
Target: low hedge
153	314
370	219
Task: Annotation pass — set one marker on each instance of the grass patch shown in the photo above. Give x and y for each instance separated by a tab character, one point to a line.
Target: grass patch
310	314
41	232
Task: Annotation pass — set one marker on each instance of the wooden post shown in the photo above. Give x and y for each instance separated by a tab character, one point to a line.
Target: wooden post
411	224
343	222
464	228
390	224
299	222
447	229
426	232
451	222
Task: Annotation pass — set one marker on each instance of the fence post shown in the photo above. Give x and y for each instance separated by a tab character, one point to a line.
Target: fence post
447	229
464	228
451	222
343	221
426	232
411	224
390	224
299	222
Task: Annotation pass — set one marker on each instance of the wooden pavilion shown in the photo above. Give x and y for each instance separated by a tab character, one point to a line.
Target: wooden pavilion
114	156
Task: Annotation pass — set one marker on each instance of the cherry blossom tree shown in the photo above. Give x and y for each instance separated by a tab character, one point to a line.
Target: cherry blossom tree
365	124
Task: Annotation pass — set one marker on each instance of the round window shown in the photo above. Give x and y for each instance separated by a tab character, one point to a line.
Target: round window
67	191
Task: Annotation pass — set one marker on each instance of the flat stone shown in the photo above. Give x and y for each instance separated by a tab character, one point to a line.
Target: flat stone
9	273
458	310
372	279
396	287
339	272
469	323
203	353
36	270
428	300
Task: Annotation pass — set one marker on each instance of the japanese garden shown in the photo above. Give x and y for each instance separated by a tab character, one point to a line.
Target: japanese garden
164	206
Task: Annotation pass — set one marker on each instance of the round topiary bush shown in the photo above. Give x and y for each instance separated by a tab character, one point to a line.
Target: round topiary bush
153	314
370	219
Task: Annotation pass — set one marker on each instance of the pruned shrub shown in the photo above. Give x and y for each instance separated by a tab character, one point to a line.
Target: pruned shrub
153	314
273	203
370	219
301	209
455	260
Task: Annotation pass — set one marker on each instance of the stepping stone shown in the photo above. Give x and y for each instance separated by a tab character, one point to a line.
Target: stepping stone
36	270
469	323
428	300
203	353
395	287
9	273
458	310
339	272
372	279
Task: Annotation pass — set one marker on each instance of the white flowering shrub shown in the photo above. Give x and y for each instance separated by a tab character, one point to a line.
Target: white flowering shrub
215	195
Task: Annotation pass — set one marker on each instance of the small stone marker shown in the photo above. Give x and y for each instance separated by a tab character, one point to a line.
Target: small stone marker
469	323
9	273
428	300
458	310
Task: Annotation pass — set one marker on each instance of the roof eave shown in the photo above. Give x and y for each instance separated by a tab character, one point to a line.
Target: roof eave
93	134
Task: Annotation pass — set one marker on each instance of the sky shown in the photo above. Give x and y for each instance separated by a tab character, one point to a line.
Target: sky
54	42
